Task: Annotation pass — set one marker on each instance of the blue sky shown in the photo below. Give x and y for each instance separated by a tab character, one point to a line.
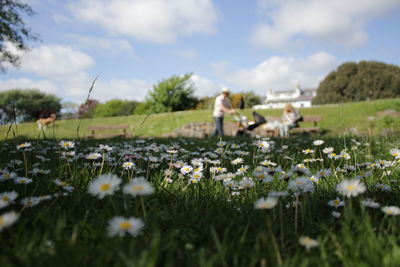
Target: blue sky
249	45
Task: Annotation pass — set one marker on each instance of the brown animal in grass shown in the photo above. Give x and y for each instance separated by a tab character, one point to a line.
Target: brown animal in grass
43	122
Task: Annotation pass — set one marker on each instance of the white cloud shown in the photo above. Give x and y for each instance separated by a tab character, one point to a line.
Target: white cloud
76	90
121	89
279	73
203	86
157	21
187	54
24	83
64	71
114	46
56	61
330	21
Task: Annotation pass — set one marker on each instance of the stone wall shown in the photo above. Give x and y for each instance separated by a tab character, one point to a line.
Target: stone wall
205	129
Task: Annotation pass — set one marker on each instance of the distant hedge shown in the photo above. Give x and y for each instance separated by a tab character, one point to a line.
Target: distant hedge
361	81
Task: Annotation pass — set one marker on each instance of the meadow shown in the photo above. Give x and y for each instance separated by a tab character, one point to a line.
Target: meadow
338	119
300	201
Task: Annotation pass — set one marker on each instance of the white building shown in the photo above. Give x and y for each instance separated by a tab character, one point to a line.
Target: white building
299	98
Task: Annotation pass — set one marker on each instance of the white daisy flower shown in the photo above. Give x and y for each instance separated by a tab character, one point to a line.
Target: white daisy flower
265	203
105	147
246	183
308	151
328	150
196	175
230	184
6	175
336	203
242	170
186	169
301	185
344	155
93	156
7	219
264	145
395	153
119	226
391	210
105	184
67	144
335	214
351	188
64	185
369	203
7	198
308	242
138	187
318	142
323	173
128	165
333	156
383	187
237	161
25	145
22	180
29	202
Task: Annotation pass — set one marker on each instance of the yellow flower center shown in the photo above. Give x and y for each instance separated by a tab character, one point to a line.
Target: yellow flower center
125	225
65	144
6	198
1	221
350	187
261	176
6	175
138	188
266	205
104	187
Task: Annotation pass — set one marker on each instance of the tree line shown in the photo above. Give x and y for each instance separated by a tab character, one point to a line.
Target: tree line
365	80
172	94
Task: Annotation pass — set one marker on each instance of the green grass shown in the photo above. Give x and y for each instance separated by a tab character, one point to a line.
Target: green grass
204	223
338	119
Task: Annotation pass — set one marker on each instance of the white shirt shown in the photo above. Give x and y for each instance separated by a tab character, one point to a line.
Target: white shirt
219	102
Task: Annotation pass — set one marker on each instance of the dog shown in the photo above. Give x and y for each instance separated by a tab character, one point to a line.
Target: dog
44	122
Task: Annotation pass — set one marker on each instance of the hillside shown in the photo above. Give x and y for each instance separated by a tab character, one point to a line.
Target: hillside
338	119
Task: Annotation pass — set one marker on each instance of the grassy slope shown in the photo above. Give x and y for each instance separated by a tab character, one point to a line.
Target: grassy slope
337	119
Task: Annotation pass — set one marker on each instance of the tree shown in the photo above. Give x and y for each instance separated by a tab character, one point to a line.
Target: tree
27	105
361	81
205	103
13	30
250	99
171	94
115	107
86	110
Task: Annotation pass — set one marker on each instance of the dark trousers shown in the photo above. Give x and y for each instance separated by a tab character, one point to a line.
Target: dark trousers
219	126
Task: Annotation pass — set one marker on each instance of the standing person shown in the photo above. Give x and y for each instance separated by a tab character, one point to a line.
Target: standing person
221	106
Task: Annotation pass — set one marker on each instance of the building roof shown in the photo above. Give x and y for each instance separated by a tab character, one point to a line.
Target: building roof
292	91
290	100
